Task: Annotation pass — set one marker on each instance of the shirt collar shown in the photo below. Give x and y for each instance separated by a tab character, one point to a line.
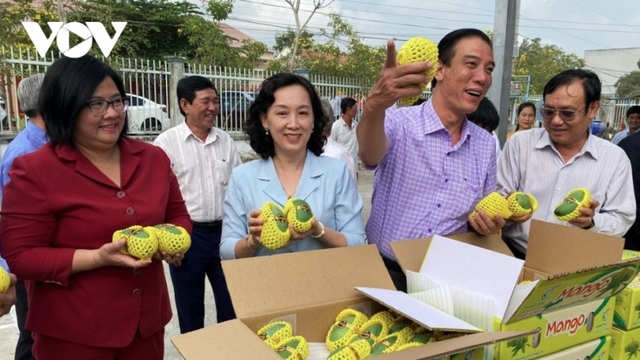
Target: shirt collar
433	123
36	135
588	147
186	133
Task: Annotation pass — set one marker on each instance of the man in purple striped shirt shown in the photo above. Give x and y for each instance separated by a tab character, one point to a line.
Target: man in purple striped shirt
432	164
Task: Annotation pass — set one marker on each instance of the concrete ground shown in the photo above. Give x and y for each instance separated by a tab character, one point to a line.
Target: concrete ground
9	330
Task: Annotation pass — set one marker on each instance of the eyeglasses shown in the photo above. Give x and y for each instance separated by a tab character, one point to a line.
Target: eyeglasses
100	107
565	115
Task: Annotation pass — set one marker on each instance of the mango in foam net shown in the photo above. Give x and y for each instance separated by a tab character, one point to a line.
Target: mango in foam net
521	204
493	204
172	239
569	208
414	50
275	229
141	243
5	282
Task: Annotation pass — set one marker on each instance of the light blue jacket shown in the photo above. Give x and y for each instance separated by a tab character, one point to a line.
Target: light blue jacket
325	184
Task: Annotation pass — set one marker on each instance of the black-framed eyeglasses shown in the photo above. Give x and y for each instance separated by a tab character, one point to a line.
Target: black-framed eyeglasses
100	107
565	115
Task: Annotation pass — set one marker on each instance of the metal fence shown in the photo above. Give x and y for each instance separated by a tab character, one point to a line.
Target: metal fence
148	83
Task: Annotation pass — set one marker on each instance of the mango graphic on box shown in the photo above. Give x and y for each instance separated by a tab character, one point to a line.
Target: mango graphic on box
299	215
625	345
598	349
627	314
172	239
275	230
5	282
493	205
569	208
141	243
414	50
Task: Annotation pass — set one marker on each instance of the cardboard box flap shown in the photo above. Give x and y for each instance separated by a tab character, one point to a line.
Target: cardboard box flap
440	349
227	340
571	289
266	284
410	253
556	249
421	313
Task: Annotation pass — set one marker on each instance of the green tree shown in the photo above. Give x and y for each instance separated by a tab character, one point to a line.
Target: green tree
285	40
301	26
542	62
13	12
628	86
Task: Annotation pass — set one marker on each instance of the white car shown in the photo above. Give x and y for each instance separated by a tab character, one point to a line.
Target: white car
146	115
3	112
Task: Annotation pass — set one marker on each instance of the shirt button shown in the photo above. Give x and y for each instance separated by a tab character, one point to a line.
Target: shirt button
446	180
429	231
438	205
137	292
136	271
130	211
120	194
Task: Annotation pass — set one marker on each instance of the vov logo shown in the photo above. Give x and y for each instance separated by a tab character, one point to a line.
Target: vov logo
60	31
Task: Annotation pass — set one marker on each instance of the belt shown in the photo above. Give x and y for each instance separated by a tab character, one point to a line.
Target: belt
210	226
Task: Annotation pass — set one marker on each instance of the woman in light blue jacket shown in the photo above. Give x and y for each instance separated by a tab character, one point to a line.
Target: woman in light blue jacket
285	128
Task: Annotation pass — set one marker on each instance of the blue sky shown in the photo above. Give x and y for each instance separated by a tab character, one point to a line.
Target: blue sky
574	25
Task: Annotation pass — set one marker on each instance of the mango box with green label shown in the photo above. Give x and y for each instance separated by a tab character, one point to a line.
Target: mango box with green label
559	330
599	349
627	315
567	266
625	344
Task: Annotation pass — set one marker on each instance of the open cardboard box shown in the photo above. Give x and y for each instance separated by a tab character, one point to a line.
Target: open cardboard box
307	289
572	266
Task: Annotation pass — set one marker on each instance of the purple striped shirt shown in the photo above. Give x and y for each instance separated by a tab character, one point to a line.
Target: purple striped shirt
423	186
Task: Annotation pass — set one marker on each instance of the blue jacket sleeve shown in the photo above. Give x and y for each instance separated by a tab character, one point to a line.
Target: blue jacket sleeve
348	210
234	219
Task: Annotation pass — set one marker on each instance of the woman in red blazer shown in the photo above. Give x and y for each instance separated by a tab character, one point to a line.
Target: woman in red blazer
61	207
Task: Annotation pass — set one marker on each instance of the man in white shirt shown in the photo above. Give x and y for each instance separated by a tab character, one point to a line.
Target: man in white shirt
633	124
333	149
343	131
202	158
549	162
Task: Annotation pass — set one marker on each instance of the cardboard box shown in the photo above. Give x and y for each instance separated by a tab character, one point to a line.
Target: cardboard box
569	267
559	330
627	315
625	344
308	289
593	350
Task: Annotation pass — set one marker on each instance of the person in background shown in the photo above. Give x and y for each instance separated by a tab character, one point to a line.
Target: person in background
631	146
486	116
28	140
633	119
343	131
332	148
202	157
285	128
87	300
526	115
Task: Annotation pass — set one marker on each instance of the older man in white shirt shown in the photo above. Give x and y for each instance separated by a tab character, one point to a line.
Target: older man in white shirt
332	148
202	158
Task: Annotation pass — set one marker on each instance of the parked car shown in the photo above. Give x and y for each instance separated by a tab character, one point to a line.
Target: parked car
234	109
146	115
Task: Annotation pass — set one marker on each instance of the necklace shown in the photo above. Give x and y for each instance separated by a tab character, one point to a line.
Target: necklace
289	196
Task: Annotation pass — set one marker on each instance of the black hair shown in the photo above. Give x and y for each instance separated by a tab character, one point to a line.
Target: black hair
418	102
635	109
346	103
486	116
523	106
262	143
188	86
447	46
67	87
590	83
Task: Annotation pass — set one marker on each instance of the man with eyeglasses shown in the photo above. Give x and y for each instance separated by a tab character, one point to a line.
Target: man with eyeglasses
28	140
202	157
549	162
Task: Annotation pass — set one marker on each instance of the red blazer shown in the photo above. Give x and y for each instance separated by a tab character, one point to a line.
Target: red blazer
56	202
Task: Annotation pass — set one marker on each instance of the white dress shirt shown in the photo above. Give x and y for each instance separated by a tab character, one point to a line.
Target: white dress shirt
335	150
346	137
530	163
203	168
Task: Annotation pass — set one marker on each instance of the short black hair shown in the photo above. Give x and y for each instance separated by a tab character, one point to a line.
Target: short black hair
418	102
188	86
523	106
635	109
346	103
262	143
447	45
486	116
67	87
590	83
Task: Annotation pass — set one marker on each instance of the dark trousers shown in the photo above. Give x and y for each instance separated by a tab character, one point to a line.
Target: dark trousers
517	253
203	258
25	341
395	272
